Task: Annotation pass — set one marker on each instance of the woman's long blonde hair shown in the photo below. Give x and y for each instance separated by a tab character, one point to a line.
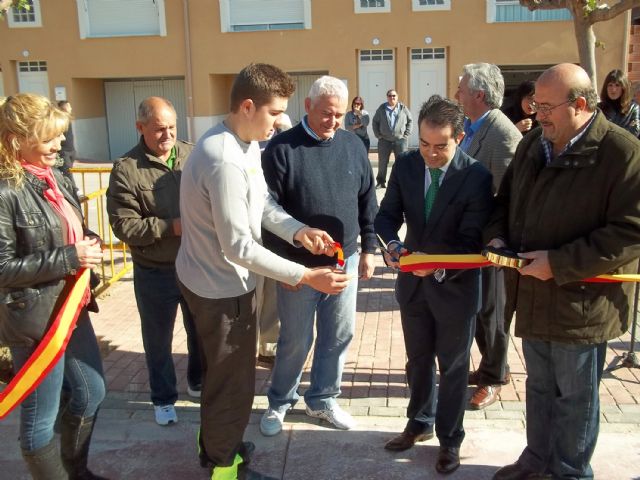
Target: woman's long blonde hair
26	119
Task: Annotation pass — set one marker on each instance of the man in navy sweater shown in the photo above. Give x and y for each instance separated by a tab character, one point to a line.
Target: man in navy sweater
321	175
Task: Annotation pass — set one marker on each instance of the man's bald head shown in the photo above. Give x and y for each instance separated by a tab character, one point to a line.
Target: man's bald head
571	80
565	100
150	106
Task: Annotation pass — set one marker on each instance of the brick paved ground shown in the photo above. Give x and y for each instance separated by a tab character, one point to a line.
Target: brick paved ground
373	380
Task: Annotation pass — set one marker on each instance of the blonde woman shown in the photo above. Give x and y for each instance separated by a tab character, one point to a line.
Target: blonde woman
43	243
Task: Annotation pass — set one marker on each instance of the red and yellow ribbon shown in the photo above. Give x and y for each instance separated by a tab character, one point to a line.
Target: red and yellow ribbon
423	261
339	254
49	350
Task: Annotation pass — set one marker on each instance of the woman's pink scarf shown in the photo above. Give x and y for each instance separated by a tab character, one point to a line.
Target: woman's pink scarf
75	232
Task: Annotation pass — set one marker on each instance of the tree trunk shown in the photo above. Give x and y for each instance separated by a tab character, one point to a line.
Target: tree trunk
586	40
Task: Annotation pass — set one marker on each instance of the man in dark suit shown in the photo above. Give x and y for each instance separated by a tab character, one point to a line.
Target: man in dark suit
445	198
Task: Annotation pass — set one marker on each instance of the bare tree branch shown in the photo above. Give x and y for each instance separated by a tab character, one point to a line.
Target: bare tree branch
544	4
605	12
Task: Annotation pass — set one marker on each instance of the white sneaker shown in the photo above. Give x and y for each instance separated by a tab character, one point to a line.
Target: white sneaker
165	414
334	415
271	422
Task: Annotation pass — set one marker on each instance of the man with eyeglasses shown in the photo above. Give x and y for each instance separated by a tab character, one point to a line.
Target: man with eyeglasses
391	125
491	138
570	203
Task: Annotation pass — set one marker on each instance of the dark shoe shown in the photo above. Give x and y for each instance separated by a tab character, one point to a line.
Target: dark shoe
448	459
75	438
483	397
406	440
516	471
380	185
45	463
266	361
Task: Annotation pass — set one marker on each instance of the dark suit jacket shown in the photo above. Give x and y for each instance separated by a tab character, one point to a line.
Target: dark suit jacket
461	209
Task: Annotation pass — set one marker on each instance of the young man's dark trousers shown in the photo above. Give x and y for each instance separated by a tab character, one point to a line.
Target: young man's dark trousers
227	331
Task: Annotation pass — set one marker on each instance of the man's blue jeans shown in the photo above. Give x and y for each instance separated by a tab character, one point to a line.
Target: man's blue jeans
158	297
335	324
80	367
563	407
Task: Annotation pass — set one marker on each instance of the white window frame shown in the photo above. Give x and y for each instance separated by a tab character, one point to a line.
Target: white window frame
225	17
83	22
360	9
430	8
37	15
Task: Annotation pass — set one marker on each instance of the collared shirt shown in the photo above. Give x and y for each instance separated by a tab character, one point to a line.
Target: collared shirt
172	158
470	129
312	134
427	175
392	114
547	146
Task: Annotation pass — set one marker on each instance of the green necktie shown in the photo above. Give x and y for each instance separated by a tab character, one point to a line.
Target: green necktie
430	197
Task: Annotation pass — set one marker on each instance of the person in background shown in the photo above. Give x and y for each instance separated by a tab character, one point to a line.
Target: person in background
521	110
392	124
492	139
68	149
357	120
149	223
43	244
617	104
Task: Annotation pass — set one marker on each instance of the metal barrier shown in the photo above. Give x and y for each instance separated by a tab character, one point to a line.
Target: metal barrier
118	263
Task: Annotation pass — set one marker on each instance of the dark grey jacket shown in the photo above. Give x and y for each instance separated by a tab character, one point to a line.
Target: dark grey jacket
143	199
402	128
584	209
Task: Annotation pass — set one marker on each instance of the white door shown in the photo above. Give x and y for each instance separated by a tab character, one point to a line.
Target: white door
33	78
377	75
428	77
122	100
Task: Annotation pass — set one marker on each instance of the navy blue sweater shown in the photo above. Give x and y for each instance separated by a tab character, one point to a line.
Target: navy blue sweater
327	185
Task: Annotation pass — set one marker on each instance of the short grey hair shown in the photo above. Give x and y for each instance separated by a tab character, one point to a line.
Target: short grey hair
487	78
327	86
146	108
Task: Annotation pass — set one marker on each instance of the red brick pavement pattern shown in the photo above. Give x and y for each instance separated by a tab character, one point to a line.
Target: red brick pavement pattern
374	370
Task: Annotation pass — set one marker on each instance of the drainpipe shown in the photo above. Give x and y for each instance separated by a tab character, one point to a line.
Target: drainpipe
189	73
625	43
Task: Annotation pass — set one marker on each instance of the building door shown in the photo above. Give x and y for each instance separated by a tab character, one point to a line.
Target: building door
428	77
376	75
295	109
33	78
122	100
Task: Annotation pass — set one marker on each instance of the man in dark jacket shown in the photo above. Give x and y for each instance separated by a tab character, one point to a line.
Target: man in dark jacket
144	212
444	197
392	126
570	201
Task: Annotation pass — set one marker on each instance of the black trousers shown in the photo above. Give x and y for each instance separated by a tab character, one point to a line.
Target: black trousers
492	332
226	328
431	333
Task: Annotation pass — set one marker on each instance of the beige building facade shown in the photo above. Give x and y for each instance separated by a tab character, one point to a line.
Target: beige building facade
105	56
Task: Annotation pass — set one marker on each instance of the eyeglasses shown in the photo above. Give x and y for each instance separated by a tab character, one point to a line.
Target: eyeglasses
392	96
546	109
